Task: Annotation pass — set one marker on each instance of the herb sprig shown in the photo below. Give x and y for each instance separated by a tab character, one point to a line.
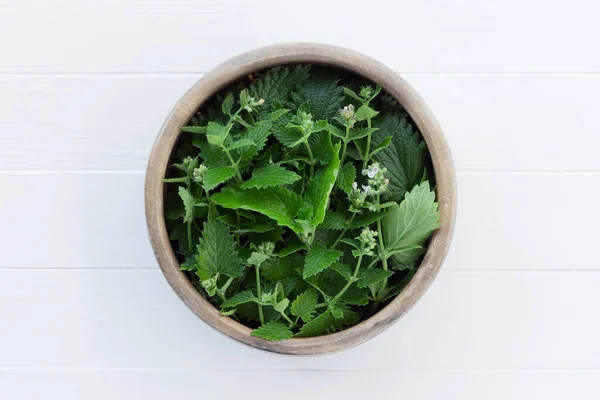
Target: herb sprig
301	201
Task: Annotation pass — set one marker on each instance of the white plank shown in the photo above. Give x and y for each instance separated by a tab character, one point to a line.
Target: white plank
505	221
493	122
227	385
132	319
135	35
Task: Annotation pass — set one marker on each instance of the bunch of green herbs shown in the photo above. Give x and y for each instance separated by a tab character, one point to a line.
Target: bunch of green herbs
299	202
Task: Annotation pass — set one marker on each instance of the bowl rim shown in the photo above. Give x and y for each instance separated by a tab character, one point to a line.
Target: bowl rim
233	70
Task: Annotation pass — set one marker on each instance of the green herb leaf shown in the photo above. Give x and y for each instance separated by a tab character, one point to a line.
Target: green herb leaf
346	177
305	304
240	143
318	258
321	186
217	251
193	129
344	270
277	203
215	176
382	145
366	219
216	134
277	84
188	203
239	298
334	220
371	276
365	112
405	157
320	94
227	104
274	331
411	223
361	133
270	175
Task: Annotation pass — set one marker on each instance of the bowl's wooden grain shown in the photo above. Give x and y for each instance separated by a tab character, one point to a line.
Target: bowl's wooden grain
259	59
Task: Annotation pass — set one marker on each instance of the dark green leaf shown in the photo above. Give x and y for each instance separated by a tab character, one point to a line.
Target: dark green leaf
371	276
217	251
319	258
346	177
305	304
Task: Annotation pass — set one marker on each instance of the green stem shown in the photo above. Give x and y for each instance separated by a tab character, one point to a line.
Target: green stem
311	160
345	144
350	282
189	235
259	292
383	257
344	231
233	164
292	323
368	148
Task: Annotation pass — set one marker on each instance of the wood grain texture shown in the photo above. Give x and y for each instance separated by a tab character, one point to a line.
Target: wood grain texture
408	36
96	220
107	122
473	320
75	384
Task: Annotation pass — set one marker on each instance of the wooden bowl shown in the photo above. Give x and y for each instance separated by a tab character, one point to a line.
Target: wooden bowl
301	53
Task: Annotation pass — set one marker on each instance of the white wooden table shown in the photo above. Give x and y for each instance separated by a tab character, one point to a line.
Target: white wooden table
84	310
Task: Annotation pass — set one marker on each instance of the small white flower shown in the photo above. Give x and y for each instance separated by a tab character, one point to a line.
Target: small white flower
387	181
366	188
354	185
373	171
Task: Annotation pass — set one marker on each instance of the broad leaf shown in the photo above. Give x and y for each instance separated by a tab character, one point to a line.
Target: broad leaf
217	251
215	176
320	94
334	220
361	133
318	258
405	158
277	84
411	223
227	104
305	304
216	133
270	175
277	203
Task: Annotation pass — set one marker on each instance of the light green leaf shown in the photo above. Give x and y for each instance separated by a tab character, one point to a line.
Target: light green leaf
193	129
257	258
305	304
335	131
351	93
270	175
360	133
365	112
292	248
334	220
240	143
346	177
288	137
411	223
239	298
336	312
216	133
321	186
282	305
227	104
274	331
371	276
217	251
318	258
182	179
277	203
188	203
321	146
215	176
